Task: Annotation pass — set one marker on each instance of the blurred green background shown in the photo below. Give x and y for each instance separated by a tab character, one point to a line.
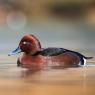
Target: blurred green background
61	23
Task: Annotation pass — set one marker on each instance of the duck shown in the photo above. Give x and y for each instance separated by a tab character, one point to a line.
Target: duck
33	56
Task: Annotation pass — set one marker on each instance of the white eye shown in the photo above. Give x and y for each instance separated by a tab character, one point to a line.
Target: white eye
24	43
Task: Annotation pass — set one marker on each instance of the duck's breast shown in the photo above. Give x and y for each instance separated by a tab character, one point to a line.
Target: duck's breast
29	61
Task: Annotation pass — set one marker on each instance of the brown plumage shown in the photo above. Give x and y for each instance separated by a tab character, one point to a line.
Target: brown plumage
34	56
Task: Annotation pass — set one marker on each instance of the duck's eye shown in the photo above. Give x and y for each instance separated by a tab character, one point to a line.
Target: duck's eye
28	44
24	43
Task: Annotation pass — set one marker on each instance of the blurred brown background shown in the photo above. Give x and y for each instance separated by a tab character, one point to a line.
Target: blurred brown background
45	9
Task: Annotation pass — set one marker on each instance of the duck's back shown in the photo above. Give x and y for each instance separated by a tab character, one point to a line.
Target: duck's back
52	51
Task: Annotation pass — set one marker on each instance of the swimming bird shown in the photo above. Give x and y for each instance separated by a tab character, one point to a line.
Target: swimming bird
34	56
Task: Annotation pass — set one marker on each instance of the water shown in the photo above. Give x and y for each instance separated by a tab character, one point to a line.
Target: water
70	81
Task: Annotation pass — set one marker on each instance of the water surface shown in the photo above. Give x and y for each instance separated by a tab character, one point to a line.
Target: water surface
69	81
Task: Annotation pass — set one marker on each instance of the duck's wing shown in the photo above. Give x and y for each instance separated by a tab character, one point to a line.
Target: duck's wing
52	51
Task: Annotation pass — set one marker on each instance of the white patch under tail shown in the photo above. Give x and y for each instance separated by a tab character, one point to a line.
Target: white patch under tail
84	62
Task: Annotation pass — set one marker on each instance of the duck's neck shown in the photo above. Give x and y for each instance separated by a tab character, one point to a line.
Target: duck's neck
34	53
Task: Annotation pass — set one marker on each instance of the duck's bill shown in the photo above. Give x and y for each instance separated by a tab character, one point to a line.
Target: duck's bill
16	51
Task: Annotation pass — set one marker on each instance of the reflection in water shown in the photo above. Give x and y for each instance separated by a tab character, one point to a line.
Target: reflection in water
69	81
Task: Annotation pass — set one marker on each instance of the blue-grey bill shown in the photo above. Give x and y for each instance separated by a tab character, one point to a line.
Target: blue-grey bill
16	51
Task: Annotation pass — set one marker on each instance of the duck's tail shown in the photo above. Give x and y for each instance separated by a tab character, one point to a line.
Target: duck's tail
88	57
82	57
79	54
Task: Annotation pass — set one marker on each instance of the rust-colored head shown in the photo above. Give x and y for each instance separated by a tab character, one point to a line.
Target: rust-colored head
28	44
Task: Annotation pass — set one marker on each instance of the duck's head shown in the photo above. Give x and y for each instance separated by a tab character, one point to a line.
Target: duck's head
28	44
